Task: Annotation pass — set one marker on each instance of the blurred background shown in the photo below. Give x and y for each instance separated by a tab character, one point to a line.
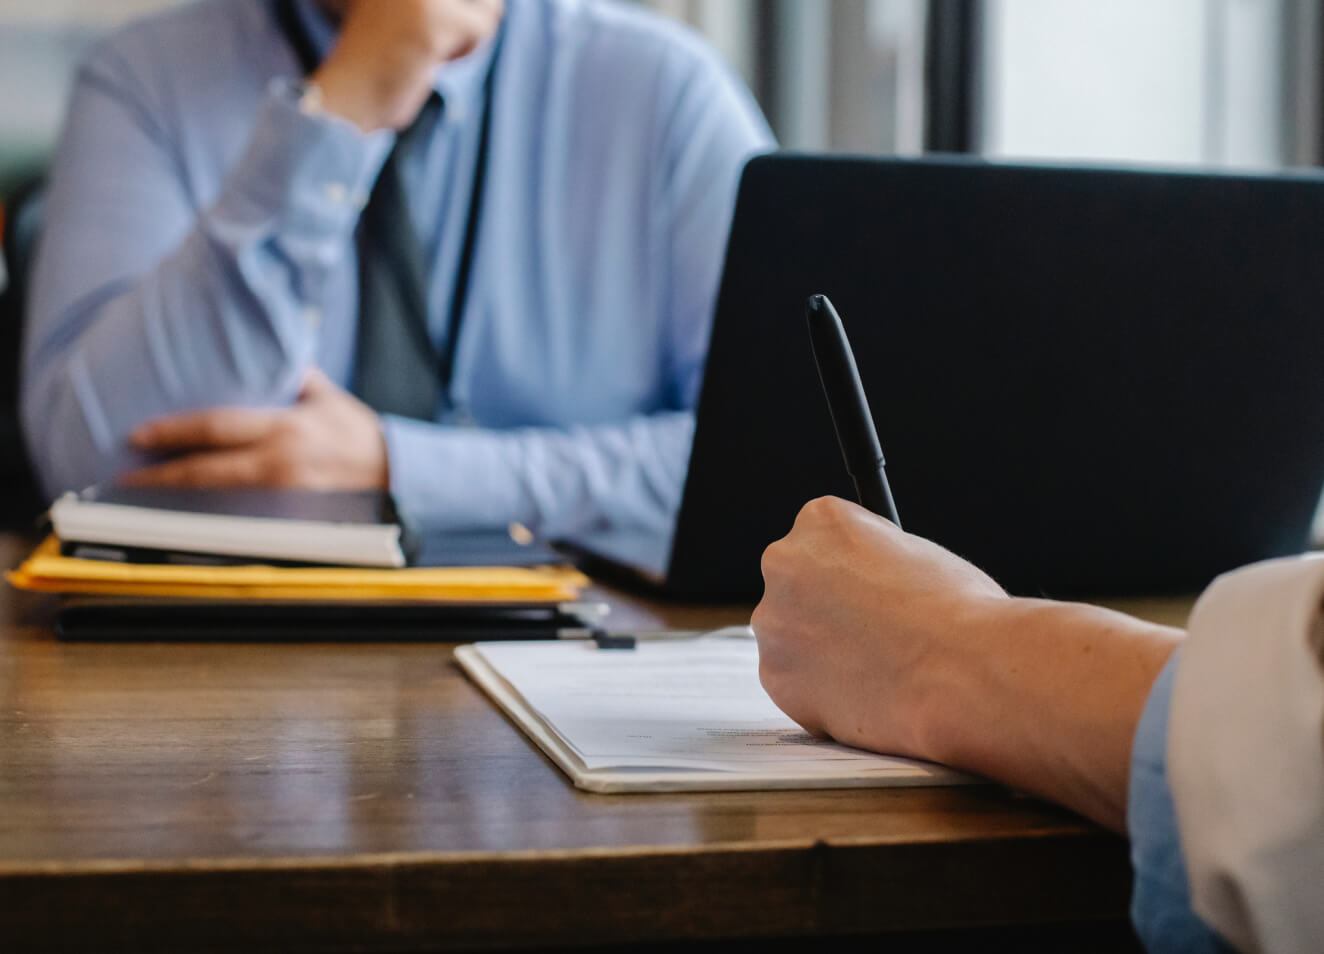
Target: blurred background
1179	81
1192	82
1204	82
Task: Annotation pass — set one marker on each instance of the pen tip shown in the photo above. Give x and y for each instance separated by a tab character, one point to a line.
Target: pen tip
815	303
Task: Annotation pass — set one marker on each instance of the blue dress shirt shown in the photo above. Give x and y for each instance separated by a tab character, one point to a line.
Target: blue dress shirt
1161	903
199	252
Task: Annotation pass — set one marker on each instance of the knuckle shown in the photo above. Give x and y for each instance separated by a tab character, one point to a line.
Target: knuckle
285	427
185	475
810	513
279	470
290	442
785	695
825	509
163	475
770	677
210	430
824	515
759	622
439	44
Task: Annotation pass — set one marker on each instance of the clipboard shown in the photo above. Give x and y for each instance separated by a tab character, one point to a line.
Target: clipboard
677	713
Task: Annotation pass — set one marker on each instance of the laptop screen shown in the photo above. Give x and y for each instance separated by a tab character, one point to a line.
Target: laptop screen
1084	380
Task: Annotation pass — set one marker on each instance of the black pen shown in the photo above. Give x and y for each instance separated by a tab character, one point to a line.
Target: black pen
849	408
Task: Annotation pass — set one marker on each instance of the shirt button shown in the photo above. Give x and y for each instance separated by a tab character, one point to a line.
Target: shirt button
337	193
313	315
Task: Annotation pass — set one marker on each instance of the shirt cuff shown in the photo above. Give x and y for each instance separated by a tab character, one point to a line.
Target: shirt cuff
305	175
453	478
1161	901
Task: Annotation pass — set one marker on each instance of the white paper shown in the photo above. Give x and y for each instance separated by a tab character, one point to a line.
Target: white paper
673	704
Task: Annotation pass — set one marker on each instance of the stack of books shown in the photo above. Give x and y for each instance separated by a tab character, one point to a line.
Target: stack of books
260	565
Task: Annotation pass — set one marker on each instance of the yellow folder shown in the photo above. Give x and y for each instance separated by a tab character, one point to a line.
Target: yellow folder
46	570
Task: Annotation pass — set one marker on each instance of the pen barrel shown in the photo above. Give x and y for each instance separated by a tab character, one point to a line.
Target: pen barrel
844	391
875	494
848	407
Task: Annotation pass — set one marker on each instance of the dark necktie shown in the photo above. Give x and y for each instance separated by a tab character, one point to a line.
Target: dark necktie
397	366
397	370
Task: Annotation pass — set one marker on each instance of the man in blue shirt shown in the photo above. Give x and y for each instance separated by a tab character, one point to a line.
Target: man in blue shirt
194	317
1210	757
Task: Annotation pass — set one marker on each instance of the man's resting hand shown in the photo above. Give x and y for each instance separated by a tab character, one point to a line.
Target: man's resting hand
328	440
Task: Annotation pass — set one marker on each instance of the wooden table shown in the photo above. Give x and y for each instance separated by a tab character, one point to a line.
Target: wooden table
310	797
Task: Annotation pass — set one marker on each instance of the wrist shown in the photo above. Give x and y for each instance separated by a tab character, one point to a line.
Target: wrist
370	101
958	700
345	100
1046	696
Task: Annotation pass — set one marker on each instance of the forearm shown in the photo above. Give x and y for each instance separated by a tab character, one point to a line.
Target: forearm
222	318
179	339
1045	697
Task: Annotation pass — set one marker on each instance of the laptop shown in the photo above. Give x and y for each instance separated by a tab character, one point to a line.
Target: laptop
1085	380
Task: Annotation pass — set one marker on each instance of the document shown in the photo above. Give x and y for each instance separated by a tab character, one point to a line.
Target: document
47	570
670	714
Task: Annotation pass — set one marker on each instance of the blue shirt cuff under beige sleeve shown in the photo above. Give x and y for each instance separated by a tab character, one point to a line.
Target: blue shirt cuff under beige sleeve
1161	902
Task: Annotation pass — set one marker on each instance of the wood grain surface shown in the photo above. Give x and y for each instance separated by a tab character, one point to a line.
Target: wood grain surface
366	797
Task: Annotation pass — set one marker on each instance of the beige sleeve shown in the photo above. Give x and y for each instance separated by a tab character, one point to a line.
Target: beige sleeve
1246	756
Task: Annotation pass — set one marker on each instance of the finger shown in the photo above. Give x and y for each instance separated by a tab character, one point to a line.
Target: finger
229	468
315	383
791	699
215	427
472	21
481	16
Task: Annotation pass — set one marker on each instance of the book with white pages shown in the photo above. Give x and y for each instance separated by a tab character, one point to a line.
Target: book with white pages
244	525
671	714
